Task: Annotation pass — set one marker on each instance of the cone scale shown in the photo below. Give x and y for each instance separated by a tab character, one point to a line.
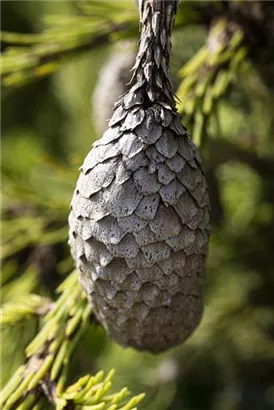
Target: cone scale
139	221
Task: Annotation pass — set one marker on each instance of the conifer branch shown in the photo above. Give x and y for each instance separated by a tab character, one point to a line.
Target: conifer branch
32	56
28	305
43	376
207	76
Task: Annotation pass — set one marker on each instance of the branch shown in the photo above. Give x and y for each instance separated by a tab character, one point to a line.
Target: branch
28	305
223	151
44	374
43	58
32	56
207	76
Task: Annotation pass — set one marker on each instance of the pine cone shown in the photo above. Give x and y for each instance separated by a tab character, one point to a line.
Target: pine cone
139	218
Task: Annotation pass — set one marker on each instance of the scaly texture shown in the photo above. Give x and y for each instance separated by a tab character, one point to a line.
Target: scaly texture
139	218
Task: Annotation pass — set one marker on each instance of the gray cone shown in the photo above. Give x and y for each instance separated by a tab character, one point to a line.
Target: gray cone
139	221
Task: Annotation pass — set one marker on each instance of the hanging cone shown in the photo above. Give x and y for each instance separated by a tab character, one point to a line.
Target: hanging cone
139	221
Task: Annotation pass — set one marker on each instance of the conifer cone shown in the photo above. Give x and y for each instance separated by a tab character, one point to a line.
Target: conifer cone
139	221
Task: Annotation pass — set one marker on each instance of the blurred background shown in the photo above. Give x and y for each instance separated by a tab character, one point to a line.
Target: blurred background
56	102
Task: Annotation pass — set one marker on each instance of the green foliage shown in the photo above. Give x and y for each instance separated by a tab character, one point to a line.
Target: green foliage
41	54
49	353
98	23
48	340
206	77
